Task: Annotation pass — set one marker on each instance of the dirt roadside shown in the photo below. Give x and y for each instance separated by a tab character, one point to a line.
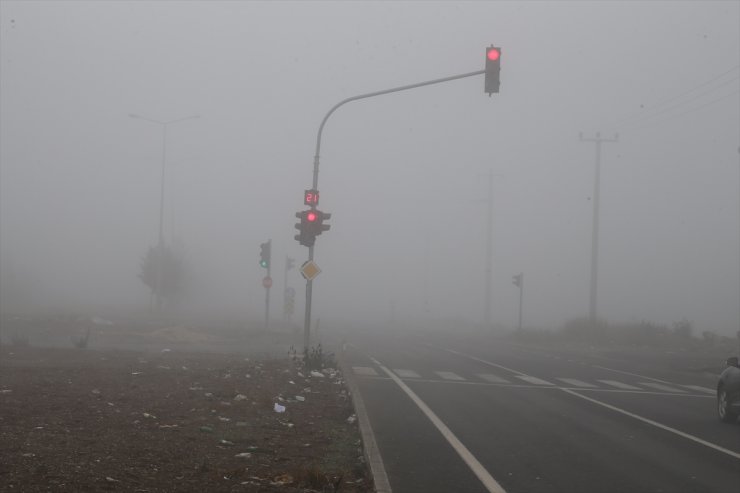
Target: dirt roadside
107	420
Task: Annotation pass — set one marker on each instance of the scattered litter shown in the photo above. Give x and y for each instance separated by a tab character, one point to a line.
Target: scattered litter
111	480
243	455
29	454
241	424
167	350
162	367
240	397
136	373
300	398
301	375
226	443
317	374
291	382
248	375
283	479
164	427
5	391
208	394
225	420
95	391
352	419
279	408
206	429
225	403
149	416
281	399
185	368
227	375
196	388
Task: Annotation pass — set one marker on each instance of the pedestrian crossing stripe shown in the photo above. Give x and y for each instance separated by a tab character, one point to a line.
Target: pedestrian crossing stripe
534	380
406	373
365	371
699	388
448	375
620	385
664	388
577	383
491	378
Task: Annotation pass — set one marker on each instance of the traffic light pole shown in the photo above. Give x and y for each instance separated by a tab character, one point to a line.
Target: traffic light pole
309	282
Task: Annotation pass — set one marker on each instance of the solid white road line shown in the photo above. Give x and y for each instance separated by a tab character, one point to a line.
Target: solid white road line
577	383
448	375
406	373
365	371
620	385
484	476
534	380
633	374
656	424
491	378
660	386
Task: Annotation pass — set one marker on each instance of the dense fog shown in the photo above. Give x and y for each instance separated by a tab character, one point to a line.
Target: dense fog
405	175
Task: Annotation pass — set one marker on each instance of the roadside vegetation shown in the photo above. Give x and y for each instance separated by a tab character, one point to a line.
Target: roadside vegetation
680	334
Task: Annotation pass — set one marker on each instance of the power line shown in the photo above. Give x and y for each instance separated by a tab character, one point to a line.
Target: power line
660	104
709	103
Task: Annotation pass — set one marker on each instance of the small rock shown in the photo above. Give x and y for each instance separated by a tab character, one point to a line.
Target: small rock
243	455
240	397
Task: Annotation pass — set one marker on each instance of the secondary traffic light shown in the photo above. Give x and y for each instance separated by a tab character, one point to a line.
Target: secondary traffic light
265	254
517	280
493	69
320	226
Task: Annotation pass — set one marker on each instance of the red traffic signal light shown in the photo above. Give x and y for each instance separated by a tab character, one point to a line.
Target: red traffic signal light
311	216
493	54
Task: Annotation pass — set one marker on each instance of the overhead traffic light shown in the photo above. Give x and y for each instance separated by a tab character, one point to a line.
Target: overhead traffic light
265	254
493	69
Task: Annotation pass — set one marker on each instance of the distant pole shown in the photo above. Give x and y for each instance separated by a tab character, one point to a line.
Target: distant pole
489	251
267	288
521	299
598	140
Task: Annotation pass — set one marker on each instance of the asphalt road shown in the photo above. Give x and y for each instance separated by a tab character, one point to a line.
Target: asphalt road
450	416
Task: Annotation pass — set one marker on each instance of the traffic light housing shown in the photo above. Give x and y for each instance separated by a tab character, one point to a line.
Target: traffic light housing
517	280
320	226
493	69
306	235
311	226
265	254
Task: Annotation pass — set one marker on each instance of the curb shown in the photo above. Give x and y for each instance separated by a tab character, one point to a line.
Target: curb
369	445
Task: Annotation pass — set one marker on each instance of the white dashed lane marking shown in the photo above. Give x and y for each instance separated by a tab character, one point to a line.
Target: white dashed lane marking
406	373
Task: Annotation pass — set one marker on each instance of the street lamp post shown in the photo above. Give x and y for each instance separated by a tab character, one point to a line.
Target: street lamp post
160	238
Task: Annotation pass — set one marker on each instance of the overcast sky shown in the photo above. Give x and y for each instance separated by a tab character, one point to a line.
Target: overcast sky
404	175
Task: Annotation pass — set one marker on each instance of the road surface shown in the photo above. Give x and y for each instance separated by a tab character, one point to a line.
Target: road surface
494	416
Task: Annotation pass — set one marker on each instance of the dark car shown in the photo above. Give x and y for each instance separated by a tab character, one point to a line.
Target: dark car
728	392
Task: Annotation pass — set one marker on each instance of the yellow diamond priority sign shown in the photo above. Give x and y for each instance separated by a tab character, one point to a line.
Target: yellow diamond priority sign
310	270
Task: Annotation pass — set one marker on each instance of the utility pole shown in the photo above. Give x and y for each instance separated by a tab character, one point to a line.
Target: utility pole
316	161
598	140
518	281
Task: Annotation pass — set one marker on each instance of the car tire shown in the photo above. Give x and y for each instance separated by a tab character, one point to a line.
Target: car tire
724	412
